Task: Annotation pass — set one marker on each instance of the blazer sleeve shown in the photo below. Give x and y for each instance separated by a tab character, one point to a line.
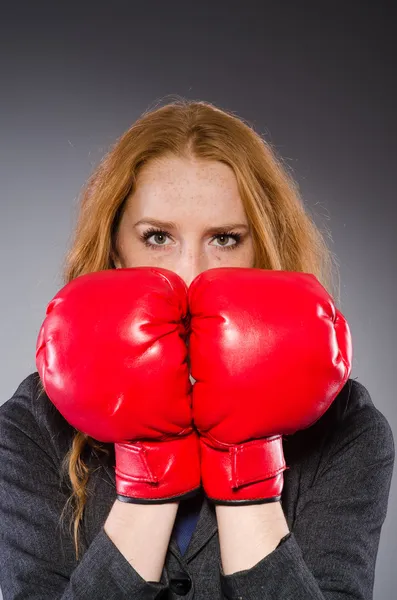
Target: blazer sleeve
332	548
37	559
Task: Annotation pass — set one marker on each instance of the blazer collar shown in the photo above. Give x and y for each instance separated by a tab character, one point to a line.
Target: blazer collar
206	527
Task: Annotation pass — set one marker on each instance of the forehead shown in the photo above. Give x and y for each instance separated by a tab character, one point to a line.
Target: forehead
174	170
173	184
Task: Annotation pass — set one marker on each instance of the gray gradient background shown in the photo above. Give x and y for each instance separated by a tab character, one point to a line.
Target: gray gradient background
318	81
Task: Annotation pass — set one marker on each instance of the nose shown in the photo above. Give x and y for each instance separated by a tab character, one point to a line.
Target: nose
190	264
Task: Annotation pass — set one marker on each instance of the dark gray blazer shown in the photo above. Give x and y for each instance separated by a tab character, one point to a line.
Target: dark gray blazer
335	500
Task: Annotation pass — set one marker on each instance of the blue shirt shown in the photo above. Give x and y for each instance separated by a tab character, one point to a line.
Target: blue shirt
186	519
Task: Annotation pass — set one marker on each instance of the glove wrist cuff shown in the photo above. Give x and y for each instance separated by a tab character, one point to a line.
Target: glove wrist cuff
158	471
246	473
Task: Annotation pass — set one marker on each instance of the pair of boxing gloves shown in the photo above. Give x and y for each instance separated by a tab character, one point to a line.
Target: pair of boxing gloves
268	352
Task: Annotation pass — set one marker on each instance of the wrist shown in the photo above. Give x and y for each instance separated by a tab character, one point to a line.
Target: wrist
249	533
125	514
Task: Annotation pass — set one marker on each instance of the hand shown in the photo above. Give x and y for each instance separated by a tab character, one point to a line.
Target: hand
111	354
269	352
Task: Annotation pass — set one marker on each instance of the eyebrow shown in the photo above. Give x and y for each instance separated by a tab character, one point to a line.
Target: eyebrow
171	225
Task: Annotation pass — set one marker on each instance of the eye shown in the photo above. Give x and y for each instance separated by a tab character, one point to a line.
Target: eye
157	234
236	237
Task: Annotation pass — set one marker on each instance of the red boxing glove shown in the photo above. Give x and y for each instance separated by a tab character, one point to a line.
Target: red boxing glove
269	352
111	354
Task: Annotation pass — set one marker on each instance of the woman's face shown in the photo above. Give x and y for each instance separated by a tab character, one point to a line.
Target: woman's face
185	215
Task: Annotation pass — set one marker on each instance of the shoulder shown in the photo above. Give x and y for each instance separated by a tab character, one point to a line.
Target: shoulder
353	431
30	413
354	408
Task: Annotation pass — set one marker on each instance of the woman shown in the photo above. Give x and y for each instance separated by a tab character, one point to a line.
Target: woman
268	477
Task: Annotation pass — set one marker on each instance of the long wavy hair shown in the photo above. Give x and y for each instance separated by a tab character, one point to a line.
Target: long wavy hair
285	235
